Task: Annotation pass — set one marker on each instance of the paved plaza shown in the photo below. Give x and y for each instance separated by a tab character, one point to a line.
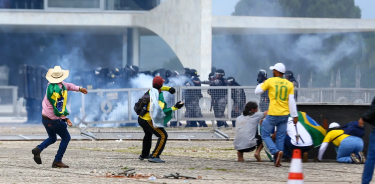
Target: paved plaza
212	161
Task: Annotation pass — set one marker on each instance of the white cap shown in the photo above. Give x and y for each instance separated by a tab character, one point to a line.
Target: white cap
333	125
279	67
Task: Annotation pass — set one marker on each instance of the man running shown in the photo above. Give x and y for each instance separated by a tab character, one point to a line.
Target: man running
282	104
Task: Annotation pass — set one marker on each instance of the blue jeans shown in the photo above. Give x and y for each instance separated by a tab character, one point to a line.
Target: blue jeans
368	170
268	127
289	147
54	127
351	144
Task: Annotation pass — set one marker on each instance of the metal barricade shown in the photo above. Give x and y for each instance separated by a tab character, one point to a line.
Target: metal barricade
202	104
109	106
8	101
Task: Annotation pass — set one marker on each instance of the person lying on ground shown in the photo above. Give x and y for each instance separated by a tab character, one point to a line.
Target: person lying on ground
348	143
246	136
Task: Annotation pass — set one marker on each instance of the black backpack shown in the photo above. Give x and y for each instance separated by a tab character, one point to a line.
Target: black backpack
141	106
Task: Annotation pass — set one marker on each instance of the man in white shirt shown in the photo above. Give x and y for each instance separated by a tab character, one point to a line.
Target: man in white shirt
297	138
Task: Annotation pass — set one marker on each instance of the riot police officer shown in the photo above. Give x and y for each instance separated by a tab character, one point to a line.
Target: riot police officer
289	76
219	96
192	97
264	99
239	99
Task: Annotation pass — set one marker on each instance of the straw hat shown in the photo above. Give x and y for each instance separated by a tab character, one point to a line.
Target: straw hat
56	75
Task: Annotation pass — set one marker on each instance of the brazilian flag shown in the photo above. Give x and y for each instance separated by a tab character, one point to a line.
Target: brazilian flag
316	131
58	97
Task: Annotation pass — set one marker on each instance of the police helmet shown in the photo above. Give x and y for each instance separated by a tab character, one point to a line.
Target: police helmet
231	80
220	72
187	71
175	74
262	73
289	74
168	73
134	68
194	72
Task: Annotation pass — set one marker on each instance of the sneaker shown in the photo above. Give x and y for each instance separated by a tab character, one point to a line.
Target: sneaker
277	157
305	157
36	152
355	159
155	160
362	157
142	158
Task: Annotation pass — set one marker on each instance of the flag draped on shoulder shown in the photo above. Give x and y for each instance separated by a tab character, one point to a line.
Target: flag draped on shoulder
58	97
159	112
316	131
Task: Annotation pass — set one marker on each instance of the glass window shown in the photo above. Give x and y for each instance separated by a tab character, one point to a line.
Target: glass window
131	4
21	4
73	4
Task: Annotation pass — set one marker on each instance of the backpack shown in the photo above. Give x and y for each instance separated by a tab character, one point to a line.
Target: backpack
141	106
353	129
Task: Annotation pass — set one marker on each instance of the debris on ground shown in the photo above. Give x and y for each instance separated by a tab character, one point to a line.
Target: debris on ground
178	176
129	173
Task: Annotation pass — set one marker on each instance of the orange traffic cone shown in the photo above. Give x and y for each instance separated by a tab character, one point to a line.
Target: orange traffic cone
295	172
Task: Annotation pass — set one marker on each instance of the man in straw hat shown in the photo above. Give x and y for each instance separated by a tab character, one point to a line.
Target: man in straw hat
54	114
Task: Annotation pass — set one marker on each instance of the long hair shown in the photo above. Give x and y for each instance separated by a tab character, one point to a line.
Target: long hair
250	105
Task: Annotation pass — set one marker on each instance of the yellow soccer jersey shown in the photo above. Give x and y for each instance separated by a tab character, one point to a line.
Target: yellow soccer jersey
333	134
279	90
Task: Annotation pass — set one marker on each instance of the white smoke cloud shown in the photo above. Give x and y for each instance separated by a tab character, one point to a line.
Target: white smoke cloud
312	48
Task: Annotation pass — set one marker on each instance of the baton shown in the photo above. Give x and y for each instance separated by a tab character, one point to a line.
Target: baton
297	135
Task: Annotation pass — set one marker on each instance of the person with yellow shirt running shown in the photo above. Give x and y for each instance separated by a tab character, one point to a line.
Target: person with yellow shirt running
282	104
155	119
348	147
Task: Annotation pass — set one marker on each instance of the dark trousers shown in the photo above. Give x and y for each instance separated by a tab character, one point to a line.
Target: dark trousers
194	124
54	127
368	170
289	147
234	123
149	129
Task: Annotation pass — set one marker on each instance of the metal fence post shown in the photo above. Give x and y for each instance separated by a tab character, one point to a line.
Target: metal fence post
229	103
334	96
14	99
321	96
130	105
83	106
179	98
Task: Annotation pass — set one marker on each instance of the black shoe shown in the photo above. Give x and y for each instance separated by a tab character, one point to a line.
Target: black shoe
142	158
355	159
36	151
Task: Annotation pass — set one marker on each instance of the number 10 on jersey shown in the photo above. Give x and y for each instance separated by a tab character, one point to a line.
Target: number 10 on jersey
281	92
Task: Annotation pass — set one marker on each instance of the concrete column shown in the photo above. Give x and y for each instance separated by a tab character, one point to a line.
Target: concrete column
124	50
186	26
133	46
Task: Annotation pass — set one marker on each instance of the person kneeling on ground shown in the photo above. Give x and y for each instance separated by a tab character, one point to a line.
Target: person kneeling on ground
246	136
297	138
155	119
54	114
348	146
